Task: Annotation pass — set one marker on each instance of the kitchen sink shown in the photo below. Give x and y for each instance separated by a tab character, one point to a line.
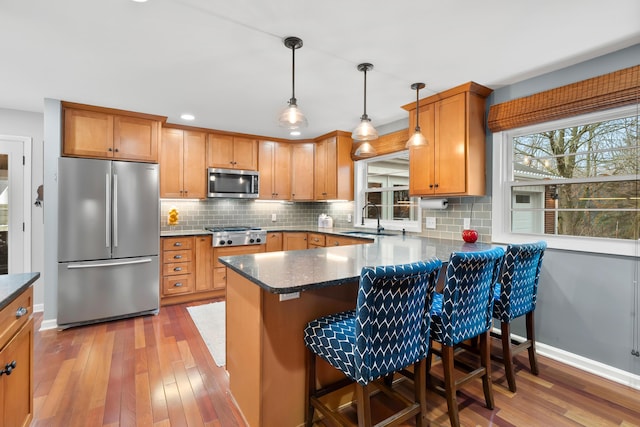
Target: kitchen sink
369	233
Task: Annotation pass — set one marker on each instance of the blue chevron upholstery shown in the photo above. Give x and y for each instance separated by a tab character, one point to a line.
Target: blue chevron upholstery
464	308
463	311
516	292
515	295
389	328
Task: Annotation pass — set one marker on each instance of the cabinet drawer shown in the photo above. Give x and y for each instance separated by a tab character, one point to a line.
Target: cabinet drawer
15	315
177	243
179	284
177	256
316	239
173	268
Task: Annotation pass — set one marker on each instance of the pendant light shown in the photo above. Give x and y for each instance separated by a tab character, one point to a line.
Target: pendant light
417	139
291	117
365	131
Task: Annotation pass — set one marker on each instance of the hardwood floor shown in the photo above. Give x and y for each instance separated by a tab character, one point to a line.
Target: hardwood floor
157	371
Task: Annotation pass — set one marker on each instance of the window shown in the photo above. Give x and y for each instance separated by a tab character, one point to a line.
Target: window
573	182
382	184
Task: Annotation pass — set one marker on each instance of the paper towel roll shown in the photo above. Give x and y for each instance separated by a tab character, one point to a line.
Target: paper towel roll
434	203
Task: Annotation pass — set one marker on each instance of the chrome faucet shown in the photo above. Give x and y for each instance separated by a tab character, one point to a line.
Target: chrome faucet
379	228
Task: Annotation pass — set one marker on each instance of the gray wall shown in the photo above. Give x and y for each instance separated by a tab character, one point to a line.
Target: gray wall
24	123
585	303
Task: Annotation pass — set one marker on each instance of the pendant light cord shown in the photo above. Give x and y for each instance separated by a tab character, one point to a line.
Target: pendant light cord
364	116
293	74
417	109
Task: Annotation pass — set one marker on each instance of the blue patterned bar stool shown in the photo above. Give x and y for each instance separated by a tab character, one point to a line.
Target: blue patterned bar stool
514	296
462	312
386	333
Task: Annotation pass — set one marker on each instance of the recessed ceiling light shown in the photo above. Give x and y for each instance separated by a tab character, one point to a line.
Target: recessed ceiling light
184	116
140	1
294	133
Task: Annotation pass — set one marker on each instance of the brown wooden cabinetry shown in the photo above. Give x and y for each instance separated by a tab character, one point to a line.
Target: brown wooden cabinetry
177	266
274	165
302	165
315	240
453	163
293	241
110	134
220	271
232	152
183	164
204	264
16	350
333	174
345	241
274	242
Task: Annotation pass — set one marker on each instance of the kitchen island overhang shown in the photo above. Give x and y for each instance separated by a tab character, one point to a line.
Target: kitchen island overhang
265	349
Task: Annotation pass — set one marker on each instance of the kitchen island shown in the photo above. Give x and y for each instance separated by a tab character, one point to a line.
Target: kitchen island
270	298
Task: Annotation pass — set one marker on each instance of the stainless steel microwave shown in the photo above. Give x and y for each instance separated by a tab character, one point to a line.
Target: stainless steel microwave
233	183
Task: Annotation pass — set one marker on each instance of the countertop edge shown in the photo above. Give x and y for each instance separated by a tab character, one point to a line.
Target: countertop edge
26	280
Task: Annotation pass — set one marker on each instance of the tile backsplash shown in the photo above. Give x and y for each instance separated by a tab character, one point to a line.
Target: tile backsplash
197	214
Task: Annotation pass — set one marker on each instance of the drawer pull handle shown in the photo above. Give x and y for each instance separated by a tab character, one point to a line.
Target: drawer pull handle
21	312
178	285
177	244
8	368
177	257
177	269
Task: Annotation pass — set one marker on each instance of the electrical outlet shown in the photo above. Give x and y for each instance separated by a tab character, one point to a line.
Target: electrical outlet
273	217
467	223
348	217
430	222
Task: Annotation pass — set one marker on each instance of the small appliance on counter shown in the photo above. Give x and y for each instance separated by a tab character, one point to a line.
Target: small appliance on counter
325	221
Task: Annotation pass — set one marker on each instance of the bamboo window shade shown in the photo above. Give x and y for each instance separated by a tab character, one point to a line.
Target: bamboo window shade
604	92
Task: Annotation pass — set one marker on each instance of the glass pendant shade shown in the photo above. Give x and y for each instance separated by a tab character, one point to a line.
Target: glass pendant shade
365	130
417	139
291	117
365	150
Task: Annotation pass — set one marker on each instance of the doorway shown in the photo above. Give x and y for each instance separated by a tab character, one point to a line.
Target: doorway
15	209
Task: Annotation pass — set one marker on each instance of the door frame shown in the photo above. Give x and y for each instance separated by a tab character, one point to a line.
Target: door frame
25	142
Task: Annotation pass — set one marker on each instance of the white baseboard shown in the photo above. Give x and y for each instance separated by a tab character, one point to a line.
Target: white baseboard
596	368
49	324
38	308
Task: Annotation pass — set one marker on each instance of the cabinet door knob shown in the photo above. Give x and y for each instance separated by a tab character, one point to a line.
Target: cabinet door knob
430	185
116	150
109	149
437	185
178	285
8	368
177	269
21	312
177	257
177	244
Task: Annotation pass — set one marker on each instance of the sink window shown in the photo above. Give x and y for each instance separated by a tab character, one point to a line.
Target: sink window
382	183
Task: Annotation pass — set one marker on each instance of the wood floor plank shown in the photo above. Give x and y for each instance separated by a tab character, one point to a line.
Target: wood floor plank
157	371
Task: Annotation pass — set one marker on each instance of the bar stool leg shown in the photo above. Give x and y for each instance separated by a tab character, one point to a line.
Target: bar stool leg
485	360
363	398
450	385
507	355
531	336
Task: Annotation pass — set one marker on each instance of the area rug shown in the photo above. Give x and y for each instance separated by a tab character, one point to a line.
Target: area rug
209	319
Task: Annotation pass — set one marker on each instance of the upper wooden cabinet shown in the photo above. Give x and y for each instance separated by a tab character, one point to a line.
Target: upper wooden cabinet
274	165
302	164
110	134
453	162
183	168
333	172
232	152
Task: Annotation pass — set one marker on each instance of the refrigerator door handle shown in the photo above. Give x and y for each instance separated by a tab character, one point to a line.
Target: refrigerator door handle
107	215
115	210
109	264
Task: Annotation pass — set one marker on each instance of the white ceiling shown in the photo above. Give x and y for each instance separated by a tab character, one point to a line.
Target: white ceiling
224	61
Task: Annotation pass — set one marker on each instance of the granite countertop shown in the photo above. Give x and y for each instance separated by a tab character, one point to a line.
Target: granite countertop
12	285
293	271
302	229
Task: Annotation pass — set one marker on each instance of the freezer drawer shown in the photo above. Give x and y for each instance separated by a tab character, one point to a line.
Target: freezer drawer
100	290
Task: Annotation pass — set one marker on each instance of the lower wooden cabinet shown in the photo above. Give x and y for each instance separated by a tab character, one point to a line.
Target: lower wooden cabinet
274	242
220	271
345	241
16	351
292	241
315	240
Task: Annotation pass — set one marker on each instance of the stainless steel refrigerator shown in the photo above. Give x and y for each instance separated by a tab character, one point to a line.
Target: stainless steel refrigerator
108	240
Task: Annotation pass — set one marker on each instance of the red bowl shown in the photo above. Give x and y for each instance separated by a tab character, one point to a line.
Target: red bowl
469	236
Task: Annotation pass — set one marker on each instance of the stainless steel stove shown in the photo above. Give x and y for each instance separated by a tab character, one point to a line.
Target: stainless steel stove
237	236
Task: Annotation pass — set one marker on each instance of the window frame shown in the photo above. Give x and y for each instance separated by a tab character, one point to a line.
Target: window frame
502	184
360	180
